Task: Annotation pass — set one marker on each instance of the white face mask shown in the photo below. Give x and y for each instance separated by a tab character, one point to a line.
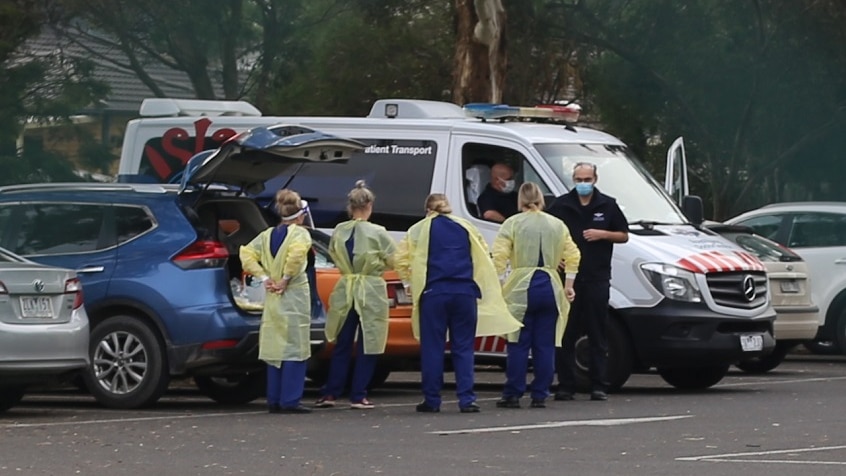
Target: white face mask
508	186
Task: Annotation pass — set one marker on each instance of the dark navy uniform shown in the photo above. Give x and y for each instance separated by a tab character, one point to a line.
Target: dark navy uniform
589	312
448	304
493	199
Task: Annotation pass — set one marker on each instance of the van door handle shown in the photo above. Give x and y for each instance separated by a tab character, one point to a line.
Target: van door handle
840	261
91	269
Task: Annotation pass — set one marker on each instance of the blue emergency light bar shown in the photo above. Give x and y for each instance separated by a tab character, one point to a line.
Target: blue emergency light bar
553	112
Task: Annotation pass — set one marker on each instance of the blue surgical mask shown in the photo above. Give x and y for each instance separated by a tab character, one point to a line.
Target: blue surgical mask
584	188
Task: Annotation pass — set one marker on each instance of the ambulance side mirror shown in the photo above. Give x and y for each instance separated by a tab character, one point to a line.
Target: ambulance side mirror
693	209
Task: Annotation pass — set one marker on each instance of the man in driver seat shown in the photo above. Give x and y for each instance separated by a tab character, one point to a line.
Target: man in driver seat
499	199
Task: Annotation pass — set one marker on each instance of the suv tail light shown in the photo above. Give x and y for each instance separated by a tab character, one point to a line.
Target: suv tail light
397	295
74	286
202	254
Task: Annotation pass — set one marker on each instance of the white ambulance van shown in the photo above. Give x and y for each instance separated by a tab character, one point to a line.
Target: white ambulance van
683	301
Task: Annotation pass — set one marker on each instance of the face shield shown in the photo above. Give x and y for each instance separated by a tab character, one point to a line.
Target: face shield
304	212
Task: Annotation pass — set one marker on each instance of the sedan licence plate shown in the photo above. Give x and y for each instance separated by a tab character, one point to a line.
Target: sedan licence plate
791	286
36	306
752	343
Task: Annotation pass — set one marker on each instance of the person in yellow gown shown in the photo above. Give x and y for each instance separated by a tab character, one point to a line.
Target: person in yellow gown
277	256
533	244
358	305
454	290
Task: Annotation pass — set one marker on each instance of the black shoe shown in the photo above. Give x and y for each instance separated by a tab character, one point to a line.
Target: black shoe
598	396
508	402
564	396
424	407
537	403
472	408
273	408
296	409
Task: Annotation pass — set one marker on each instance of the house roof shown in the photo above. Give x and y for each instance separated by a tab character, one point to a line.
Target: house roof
111	66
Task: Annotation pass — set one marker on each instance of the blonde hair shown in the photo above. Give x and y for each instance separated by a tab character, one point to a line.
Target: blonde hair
437	202
287	202
530	196
359	197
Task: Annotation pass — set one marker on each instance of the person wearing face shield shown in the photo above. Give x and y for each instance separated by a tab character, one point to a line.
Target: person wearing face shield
277	257
596	224
499	199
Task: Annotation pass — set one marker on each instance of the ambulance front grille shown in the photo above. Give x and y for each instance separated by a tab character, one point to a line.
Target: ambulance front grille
742	290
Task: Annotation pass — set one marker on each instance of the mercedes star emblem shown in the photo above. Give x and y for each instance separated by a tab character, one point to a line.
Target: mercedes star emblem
749	288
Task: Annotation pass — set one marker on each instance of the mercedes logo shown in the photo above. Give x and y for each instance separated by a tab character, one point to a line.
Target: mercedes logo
38	285
749	288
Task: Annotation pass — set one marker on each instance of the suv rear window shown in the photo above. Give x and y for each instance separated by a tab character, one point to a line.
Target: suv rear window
762	248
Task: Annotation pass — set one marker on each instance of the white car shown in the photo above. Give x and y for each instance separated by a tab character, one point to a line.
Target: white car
817	232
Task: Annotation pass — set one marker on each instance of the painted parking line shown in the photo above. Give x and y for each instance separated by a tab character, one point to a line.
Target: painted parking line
779	382
125	420
560	424
743	457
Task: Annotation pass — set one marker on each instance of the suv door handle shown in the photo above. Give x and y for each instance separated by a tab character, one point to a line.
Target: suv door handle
840	261
91	269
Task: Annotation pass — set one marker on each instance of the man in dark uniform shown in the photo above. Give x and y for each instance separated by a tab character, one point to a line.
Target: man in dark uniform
499	199
596	223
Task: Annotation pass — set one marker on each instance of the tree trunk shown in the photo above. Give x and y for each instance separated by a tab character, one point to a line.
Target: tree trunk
480	53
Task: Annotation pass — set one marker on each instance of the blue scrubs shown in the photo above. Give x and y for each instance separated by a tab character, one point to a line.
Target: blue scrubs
285	384
537	336
448	303
365	364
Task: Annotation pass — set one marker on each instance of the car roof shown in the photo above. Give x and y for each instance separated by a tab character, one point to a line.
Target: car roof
89	187
807	206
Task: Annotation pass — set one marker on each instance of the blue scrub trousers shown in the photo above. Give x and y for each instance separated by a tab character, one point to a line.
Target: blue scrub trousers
365	364
538	336
285	384
439	313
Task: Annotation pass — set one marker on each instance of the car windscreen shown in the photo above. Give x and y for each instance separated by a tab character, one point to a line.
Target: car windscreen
761	247
620	175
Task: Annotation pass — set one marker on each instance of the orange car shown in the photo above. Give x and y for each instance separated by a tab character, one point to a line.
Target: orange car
402	349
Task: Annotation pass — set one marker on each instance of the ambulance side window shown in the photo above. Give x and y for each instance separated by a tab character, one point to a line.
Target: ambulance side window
398	171
477	160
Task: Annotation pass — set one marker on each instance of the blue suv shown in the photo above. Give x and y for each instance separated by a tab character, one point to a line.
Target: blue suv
159	264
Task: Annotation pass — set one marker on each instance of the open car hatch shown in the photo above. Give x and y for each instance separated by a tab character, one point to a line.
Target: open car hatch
251	158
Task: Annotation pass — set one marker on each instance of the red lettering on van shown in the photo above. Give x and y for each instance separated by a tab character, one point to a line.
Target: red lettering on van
168	155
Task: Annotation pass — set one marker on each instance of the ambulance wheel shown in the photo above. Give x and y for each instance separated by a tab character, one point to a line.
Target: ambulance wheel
233	389
693	378
620	358
765	363
10	396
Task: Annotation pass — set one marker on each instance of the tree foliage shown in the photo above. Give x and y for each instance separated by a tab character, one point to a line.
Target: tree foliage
36	89
750	84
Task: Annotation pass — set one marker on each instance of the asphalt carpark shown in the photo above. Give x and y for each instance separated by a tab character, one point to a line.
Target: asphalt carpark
786	422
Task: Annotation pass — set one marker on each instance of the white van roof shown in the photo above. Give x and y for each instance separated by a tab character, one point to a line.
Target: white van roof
169	107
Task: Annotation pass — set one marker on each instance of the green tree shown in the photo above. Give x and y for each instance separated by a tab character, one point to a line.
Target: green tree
36	89
754	87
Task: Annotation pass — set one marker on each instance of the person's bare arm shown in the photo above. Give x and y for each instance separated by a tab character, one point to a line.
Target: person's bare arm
493	215
593	234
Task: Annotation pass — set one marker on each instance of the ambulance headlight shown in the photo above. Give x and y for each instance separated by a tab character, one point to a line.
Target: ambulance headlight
673	282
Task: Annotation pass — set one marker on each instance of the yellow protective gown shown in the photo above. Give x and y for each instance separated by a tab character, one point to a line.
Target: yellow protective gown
522	238
286	319
412	260
361	284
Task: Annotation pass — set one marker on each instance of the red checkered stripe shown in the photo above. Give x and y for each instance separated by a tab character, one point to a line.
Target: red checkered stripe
717	261
491	344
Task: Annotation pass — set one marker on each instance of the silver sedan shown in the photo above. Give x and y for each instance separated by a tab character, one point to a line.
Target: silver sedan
43	326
